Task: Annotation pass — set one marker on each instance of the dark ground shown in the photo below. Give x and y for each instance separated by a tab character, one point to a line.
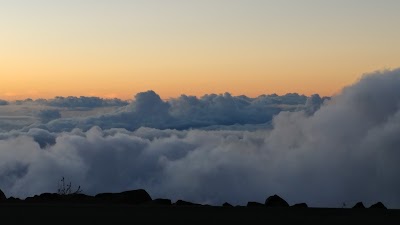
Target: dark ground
40	213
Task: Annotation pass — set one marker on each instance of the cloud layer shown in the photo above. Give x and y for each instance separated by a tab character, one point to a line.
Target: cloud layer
211	111
184	112
76	102
345	150
3	102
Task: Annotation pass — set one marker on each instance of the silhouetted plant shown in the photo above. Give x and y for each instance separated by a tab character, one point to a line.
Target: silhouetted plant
66	188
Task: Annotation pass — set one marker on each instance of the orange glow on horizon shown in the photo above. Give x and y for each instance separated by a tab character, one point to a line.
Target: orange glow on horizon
127	90
119	48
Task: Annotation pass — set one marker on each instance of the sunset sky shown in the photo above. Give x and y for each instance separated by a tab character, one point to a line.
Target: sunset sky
118	48
175	131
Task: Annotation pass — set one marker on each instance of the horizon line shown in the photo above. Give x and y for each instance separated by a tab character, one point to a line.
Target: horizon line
163	98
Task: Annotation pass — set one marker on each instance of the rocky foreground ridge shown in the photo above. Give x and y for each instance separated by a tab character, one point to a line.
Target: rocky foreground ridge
141	197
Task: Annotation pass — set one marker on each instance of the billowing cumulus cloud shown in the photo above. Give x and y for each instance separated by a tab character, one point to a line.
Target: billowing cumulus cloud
184	112
344	149
211	111
313	103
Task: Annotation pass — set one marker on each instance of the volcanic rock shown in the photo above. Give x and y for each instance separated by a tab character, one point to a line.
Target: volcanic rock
275	201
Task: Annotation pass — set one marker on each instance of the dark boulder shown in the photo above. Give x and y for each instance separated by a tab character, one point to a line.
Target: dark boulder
185	203
275	201
78	198
255	204
300	206
359	205
105	197
161	201
60	198
44	198
2	196
134	197
13	200
227	205
378	205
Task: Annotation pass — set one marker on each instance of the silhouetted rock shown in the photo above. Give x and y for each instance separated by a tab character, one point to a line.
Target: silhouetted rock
78	198
275	201
227	205
161	201
378	205
185	203
2	196
105	197
135	197
359	205
255	204
57	198
300	205
44	198
13	200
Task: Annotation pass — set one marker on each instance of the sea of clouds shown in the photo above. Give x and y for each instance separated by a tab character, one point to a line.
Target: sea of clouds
215	148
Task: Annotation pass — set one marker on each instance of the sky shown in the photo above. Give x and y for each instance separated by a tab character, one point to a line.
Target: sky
177	98
119	48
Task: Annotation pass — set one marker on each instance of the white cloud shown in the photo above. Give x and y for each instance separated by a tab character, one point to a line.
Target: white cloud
347	151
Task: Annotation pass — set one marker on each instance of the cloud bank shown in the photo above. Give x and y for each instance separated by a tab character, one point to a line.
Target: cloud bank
75	102
345	149
185	112
147	109
3	102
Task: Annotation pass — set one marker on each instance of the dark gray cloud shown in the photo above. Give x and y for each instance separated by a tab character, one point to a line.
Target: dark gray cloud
9	123
347	151
47	115
187	112
84	102
24	101
211	111
3	102
75	102
28	113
